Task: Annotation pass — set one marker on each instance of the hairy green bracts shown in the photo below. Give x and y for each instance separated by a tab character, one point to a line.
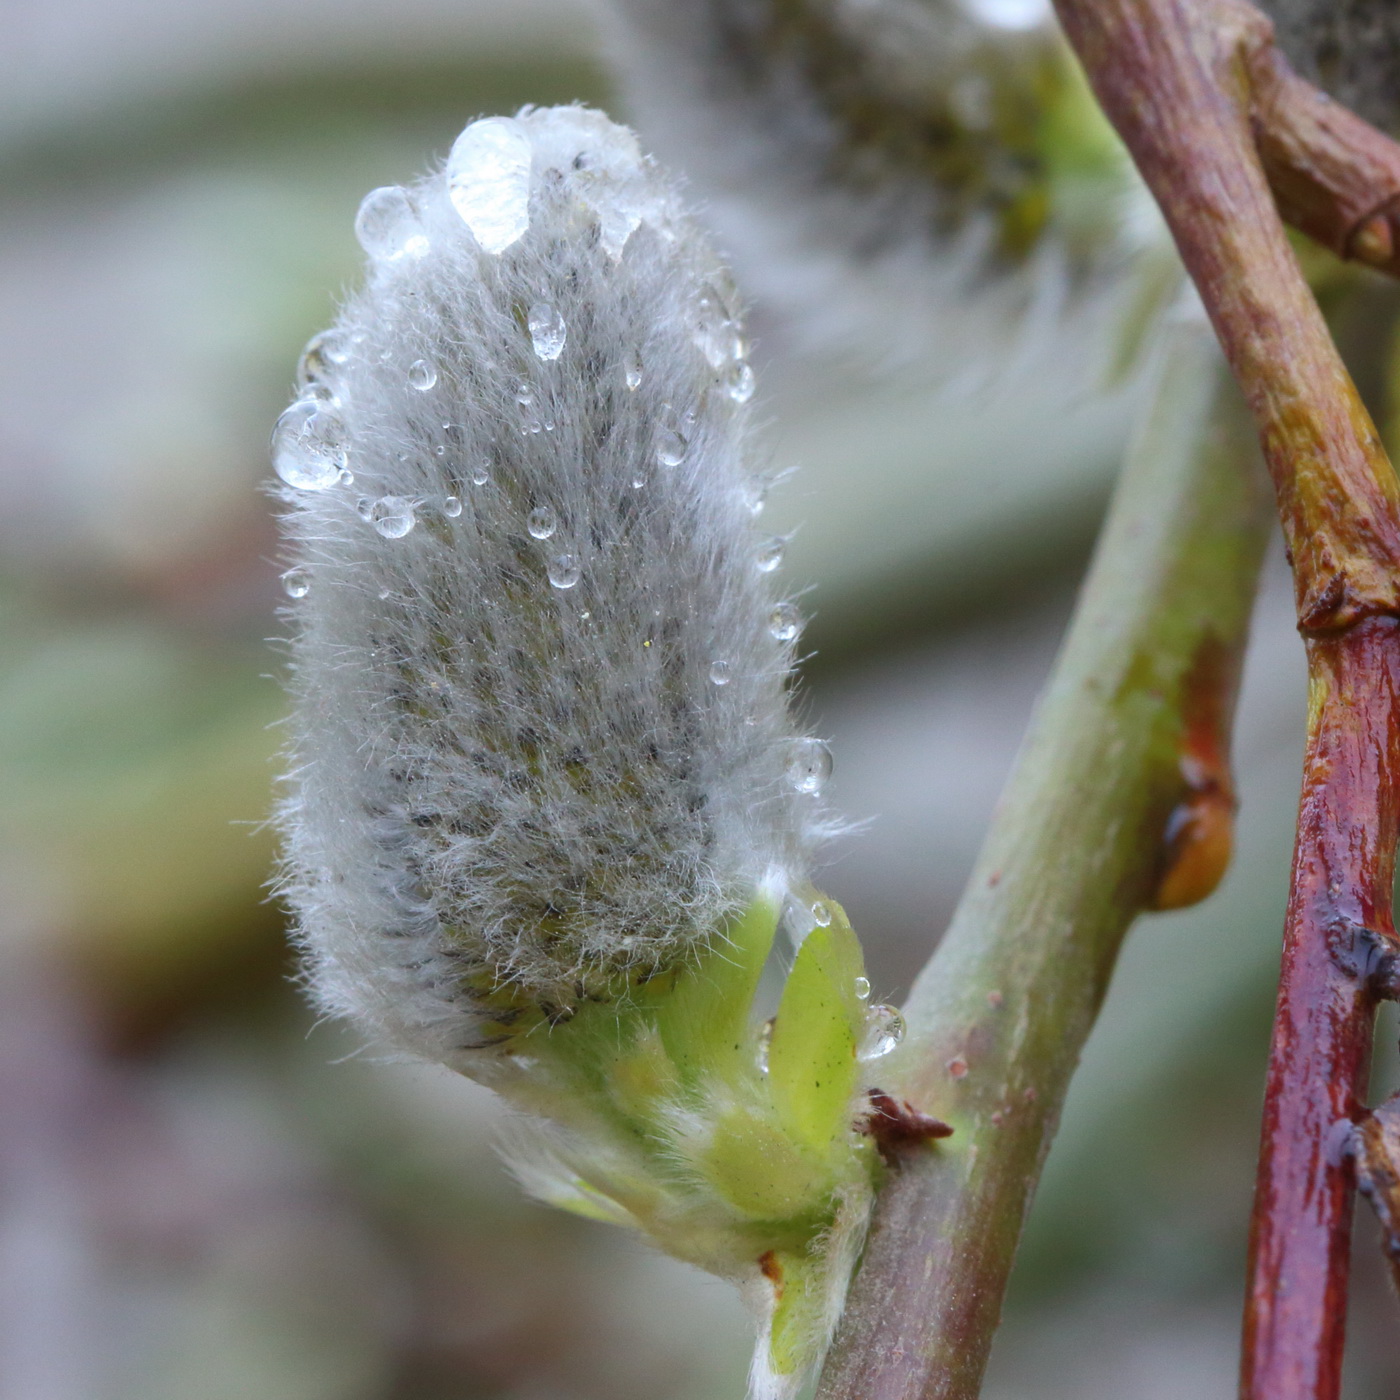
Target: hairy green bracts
732	1141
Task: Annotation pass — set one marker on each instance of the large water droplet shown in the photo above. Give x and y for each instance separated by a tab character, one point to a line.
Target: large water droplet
321	360
821	914
863	988
308	446
480	475
363	507
770	554
632	370
488	181
784	622
564	571
296	582
547	330
451	506
809	765
719	673
884	1029
422	375
542	522
393	516
388	227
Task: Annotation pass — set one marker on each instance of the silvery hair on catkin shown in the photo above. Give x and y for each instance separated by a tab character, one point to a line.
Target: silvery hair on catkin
541	743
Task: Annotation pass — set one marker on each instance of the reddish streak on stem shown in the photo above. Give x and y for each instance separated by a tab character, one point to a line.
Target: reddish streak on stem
1339	920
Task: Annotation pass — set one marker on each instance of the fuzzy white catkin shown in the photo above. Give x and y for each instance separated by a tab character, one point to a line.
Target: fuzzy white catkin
857	157
541	739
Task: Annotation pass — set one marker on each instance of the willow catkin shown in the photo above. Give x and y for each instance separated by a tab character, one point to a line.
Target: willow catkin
915	185
542	738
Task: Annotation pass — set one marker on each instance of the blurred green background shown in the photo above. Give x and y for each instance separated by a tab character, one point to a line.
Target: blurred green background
204	1194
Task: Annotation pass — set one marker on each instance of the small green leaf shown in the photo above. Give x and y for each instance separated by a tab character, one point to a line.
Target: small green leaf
812	1070
705	1022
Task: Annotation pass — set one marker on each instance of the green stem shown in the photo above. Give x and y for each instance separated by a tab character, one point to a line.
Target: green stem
1143	689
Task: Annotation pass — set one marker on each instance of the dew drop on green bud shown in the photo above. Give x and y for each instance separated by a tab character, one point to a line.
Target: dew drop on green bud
884	1029
821	914
765	1042
863	988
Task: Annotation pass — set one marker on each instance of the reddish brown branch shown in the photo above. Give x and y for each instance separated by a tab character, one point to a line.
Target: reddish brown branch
1207	108
1338	931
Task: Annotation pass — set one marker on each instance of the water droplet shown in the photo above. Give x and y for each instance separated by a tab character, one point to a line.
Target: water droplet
884	1029
346	477
488	181
451	506
809	765
632	370
672	438
524	393
542	522
739	381
770	554
387	225
422	375
547	330
323	355
480	476
784	622
863	988
821	914
639	479
765	1044
393	516
719	673
296	583
308	446
363	507
564	571
717	334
